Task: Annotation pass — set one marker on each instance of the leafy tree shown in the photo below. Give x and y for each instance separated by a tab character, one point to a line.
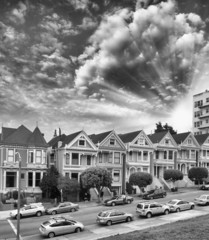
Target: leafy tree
96	177
173	175
129	188
141	179
162	128
49	183
68	185
197	174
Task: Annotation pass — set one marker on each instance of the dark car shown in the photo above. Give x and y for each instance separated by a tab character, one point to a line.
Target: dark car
155	193
205	187
116	200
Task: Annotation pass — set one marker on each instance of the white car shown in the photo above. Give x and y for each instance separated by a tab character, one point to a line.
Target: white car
34	209
177	205
202	200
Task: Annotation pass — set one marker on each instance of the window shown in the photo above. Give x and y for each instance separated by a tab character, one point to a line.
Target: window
116	176
100	158
141	141
139	155
88	160
145	169
11	179
75	159
10	155
170	155
81	142
110	158
117	157
193	154
157	154
204	153
112	141
38	179
145	155
67	159
30	157
207	99
38	156
22	176
165	154
30	179
167	141
74	175
44	157
189	141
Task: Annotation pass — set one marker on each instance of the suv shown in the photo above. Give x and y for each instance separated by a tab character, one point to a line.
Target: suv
156	193
148	209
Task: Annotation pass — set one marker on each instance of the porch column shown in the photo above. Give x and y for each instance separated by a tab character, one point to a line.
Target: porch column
34	179
124	172
151	163
4	180
175	160
17	179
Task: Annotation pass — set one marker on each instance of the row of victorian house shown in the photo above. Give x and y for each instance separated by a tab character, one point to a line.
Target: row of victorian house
121	154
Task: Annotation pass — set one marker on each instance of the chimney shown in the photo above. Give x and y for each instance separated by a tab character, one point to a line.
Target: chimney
55	133
59	131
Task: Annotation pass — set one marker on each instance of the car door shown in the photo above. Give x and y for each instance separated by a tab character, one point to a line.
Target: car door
119	216
62	208
120	200
26	211
68	227
181	205
57	228
113	217
153	208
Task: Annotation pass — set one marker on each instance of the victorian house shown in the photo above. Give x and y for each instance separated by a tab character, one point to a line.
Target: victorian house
72	154
139	156
111	155
188	151
22	155
165	153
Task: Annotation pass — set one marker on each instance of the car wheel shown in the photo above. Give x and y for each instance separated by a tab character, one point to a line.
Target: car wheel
54	212
51	235
128	219
17	216
38	214
113	204
77	230
109	223
192	207
128	201
149	215
166	212
178	210
72	210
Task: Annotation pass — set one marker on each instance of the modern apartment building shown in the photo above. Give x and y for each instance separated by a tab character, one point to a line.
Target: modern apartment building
201	113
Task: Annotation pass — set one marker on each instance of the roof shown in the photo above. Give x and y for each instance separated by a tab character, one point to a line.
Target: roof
180	137
98	138
201	138
22	136
70	138
157	137
54	141
129	137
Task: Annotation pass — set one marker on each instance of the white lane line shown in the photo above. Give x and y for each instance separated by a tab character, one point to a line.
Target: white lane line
13	228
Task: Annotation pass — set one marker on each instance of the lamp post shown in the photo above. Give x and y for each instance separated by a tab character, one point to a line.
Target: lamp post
19	189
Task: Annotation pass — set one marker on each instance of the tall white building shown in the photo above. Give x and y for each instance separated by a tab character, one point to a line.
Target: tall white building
201	113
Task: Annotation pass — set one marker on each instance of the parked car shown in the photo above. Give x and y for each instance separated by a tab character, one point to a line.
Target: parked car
155	193
202	200
59	226
149	209
63	207
177	205
116	200
205	187
108	217
29	210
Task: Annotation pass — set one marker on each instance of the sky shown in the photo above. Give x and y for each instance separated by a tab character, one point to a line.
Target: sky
99	65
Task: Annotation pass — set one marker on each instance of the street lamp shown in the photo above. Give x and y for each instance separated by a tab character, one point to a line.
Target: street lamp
19	189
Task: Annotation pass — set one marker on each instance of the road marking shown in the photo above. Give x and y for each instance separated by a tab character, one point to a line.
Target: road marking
13	228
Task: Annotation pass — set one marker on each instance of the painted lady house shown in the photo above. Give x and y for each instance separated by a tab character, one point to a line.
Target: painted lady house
31	147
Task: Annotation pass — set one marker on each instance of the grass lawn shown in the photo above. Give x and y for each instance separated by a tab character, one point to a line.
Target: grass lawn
193	229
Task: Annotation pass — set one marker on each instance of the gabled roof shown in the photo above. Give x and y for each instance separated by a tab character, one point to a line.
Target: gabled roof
70	138
23	137
201	138
54	141
157	137
37	139
98	138
180	137
129	137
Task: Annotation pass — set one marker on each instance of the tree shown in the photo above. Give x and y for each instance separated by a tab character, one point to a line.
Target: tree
141	179
96	177
162	128
49	183
197	174
68	185
173	175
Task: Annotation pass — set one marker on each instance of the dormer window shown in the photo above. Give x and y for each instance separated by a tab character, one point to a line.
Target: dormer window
189	141
81	142
167	141
112	141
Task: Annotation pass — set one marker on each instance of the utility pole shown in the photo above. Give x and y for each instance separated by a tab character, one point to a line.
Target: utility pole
19	191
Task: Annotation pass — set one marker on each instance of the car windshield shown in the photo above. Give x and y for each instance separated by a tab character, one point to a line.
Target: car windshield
203	197
48	222
172	202
103	214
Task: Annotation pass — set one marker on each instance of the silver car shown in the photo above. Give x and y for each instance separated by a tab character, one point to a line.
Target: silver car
36	209
148	209
108	217
177	205
202	200
59	226
63	207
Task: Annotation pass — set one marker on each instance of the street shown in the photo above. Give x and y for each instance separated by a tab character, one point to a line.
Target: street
29	226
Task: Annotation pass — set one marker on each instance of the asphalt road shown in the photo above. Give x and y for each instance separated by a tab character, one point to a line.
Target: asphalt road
29	226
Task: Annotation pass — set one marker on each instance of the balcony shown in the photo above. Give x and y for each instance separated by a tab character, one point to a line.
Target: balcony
204	105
